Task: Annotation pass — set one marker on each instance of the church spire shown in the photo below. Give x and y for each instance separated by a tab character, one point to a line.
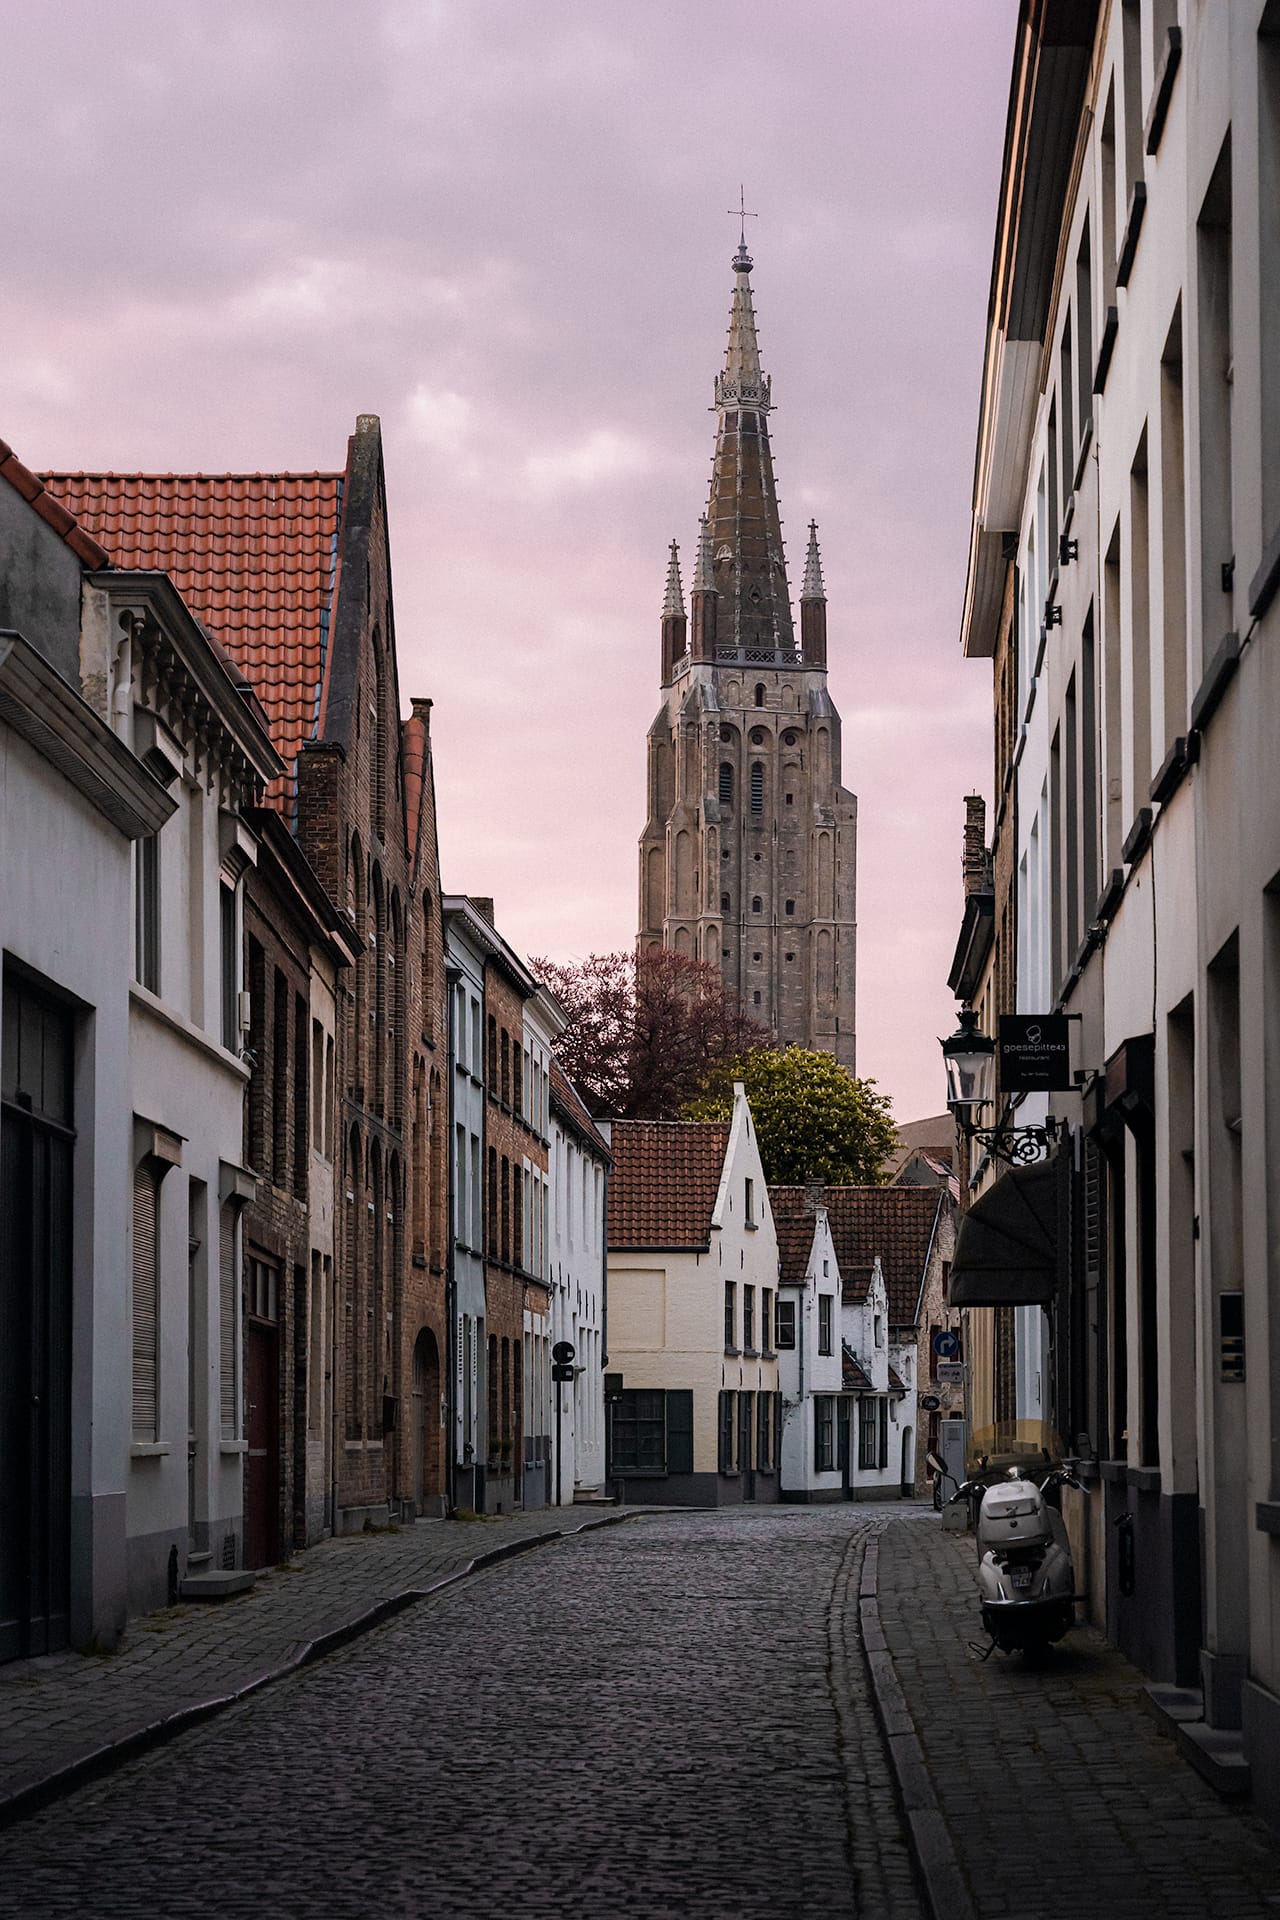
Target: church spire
813	606
675	628
673	600
705	597
744	533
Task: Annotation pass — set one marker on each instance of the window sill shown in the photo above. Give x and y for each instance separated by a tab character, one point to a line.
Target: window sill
732	1353
232	1448
750	1353
751	1226
149	1449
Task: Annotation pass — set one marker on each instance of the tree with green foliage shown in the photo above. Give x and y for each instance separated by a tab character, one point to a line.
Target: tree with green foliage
814	1120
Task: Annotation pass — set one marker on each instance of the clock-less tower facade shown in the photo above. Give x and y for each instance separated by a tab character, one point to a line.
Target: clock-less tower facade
749	853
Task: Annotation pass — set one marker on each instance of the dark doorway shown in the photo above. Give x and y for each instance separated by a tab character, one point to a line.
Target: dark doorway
428	1434
746	1444
36	1143
844	1447
262	1415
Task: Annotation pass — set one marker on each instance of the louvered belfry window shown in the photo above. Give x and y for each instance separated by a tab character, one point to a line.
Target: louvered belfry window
146	1301
757	786
228	1398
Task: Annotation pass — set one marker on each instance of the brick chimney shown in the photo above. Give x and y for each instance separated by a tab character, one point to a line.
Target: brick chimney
977	861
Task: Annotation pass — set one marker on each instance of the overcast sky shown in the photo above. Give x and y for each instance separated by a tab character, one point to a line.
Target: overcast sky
502	225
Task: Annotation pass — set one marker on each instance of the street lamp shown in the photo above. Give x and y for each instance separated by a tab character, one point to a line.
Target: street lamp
970	1060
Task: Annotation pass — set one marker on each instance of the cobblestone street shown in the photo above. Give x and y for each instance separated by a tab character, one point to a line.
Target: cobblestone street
641	1720
673	1716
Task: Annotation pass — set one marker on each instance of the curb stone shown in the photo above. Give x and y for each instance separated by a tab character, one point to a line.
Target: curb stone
77	1773
936	1860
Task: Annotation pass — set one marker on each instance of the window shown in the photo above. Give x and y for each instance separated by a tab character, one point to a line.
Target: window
492	1074
750	1203
757	786
730	1316
784	1332
764	1432
824	1432
756	903
882	1412
653	1432
766	1316
790	905
878	1324
824	1322
724	903
262	1292
749	1319
755	998
228	1328
146	961
506	1067
726	783
229	968
759	693
868	1433
791	799
146	1301
727	1411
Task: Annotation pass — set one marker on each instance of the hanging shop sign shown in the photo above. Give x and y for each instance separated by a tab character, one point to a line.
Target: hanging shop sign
1035	1053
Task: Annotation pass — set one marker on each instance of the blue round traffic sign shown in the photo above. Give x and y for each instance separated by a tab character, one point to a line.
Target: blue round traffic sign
946	1344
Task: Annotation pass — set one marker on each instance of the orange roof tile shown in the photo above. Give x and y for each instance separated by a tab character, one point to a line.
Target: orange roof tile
852	1377
666	1174
897	1223
794	1228
33	490
253	556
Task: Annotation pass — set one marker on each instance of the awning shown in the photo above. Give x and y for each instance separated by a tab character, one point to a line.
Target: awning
1007	1247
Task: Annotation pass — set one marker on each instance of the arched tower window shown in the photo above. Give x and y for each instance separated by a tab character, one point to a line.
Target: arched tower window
760	693
726	783
757	786
724	903
755	903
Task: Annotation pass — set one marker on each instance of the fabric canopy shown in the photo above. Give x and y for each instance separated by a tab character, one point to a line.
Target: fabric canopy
1007	1247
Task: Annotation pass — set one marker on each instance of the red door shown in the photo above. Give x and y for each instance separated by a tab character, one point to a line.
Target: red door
262	1430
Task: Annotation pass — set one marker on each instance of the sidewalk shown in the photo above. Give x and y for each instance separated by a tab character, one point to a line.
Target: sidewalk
1056	1790
67	1714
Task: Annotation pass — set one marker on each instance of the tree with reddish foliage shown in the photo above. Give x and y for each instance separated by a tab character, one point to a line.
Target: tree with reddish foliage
646	1029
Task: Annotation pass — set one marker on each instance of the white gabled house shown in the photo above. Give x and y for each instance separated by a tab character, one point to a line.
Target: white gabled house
692	1275
814	1453
576	1281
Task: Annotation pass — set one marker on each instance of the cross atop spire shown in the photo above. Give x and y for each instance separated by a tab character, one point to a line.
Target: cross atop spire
742	259
673	600
813	588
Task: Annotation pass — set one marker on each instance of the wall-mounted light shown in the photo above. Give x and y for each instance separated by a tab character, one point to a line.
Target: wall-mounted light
969	1057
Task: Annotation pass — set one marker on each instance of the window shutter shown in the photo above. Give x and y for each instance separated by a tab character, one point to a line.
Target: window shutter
227	1324
146	1191
680	1431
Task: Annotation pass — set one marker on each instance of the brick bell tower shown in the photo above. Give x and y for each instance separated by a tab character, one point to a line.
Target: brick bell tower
748	856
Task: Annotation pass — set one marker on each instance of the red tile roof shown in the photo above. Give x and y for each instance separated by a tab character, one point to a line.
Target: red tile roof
895	1381
666	1174
795	1235
36	494
853	1379
897	1223
253	556
565	1097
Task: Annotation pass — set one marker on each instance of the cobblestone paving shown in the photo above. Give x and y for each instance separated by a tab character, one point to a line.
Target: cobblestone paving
56	1711
665	1718
1062	1797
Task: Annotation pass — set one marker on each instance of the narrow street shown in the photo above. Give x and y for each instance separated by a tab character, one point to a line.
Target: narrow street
668	1717
637	1721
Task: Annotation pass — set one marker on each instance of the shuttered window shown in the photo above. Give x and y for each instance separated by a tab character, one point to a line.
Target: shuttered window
146	1301
757	786
229	1399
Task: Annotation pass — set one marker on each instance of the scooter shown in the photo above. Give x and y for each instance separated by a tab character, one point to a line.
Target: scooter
1026	1582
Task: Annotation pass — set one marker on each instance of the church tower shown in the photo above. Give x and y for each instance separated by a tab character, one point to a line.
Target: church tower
748	856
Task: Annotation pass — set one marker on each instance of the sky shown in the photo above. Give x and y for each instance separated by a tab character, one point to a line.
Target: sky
503	226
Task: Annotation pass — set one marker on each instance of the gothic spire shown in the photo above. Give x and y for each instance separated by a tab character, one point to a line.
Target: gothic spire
813	588
744	529
673	600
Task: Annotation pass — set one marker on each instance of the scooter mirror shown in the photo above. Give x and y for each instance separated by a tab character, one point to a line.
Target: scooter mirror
935	1463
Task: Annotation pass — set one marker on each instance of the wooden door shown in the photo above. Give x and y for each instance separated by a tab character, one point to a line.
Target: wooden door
262	1417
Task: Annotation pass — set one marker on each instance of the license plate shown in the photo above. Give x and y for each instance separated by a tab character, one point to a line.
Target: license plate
1020	1577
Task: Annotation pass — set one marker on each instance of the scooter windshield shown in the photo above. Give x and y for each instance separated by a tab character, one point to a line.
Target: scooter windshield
1031	1446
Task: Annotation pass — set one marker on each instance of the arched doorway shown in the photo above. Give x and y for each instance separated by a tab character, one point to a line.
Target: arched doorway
428	1431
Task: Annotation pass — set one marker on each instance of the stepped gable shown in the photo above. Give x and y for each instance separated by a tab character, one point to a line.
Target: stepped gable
666	1176
898	1224
254	557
